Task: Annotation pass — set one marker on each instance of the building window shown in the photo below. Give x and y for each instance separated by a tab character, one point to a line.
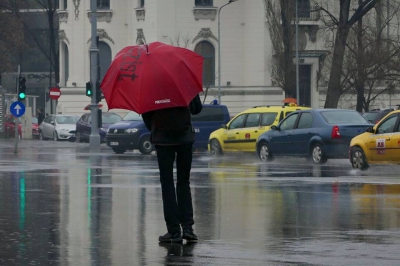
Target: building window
141	3
65	4
203	3
105	58
103	4
303	8
207	51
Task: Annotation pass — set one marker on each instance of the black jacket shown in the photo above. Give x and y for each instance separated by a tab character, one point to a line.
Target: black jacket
172	126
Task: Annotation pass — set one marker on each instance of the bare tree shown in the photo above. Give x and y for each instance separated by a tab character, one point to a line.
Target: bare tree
49	44
11	36
342	25
280	17
367	70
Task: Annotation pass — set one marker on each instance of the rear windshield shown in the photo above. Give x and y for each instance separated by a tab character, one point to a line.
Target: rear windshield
132	116
211	114
343	117
110	118
371	116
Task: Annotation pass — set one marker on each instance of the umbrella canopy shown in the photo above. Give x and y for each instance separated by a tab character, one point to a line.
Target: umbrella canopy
289	100
153	76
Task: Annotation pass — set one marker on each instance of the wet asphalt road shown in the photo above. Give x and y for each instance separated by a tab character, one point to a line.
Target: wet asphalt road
62	205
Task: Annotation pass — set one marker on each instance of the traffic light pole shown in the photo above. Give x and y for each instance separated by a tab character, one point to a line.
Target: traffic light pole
16	119
94	136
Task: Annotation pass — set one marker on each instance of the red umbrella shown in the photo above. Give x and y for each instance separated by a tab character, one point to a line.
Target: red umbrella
153	76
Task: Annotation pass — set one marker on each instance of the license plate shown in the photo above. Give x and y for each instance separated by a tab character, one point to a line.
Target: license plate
114	143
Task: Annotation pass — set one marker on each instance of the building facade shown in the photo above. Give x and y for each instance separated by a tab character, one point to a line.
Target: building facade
245	46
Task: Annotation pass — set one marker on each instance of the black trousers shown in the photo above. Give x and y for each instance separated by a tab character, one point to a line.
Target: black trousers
178	208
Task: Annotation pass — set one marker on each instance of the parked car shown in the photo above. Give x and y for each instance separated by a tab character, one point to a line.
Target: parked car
381	143
375	115
84	126
241	133
319	134
131	133
58	127
9	126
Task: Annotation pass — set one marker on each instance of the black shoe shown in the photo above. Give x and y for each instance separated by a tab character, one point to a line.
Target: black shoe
171	238
189	235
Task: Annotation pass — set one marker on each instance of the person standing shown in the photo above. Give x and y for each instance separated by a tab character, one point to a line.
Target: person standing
173	135
40	115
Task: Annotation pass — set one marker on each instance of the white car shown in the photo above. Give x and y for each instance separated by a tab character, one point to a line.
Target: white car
58	127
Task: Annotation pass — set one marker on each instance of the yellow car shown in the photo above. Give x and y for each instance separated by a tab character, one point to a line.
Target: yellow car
241	133
379	144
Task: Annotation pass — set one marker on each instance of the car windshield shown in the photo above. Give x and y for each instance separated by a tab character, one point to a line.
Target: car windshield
109	118
132	116
371	116
343	117
67	119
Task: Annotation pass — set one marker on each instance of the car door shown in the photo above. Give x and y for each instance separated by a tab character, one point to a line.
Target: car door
48	127
232	141
395	139
302	134
380	143
249	135
280	140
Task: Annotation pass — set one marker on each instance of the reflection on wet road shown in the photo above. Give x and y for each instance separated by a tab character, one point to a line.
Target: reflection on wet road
65	206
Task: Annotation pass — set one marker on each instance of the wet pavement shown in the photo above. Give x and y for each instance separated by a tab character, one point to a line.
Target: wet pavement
63	205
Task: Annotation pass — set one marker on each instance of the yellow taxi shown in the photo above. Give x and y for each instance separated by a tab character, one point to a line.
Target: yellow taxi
242	131
380	144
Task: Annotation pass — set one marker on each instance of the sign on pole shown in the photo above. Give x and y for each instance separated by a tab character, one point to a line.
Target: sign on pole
17	109
55	93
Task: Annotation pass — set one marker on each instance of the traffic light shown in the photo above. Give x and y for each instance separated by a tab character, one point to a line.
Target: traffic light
22	89
99	93
89	91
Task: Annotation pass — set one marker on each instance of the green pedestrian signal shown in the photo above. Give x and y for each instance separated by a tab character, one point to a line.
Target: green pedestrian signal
21	95
21	89
89	89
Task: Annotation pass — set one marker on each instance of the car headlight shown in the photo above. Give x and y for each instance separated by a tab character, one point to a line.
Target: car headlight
131	130
104	129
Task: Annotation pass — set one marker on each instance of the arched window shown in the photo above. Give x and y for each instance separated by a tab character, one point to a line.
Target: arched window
66	62
207	51
105	58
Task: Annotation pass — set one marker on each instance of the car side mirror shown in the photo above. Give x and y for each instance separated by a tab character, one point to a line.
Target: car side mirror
274	127
370	130
52	122
223	126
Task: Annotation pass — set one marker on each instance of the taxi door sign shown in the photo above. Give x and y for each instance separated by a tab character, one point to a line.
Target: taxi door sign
247	136
380	143
380	146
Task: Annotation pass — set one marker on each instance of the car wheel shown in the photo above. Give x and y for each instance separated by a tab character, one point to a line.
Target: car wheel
264	152
215	148
145	146
358	160
317	154
119	150
55	136
41	137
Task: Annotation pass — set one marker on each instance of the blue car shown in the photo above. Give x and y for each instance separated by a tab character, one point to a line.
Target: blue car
319	134
84	126
131	133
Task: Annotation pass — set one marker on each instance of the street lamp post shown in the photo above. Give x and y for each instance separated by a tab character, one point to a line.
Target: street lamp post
219	50
94	50
297	55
